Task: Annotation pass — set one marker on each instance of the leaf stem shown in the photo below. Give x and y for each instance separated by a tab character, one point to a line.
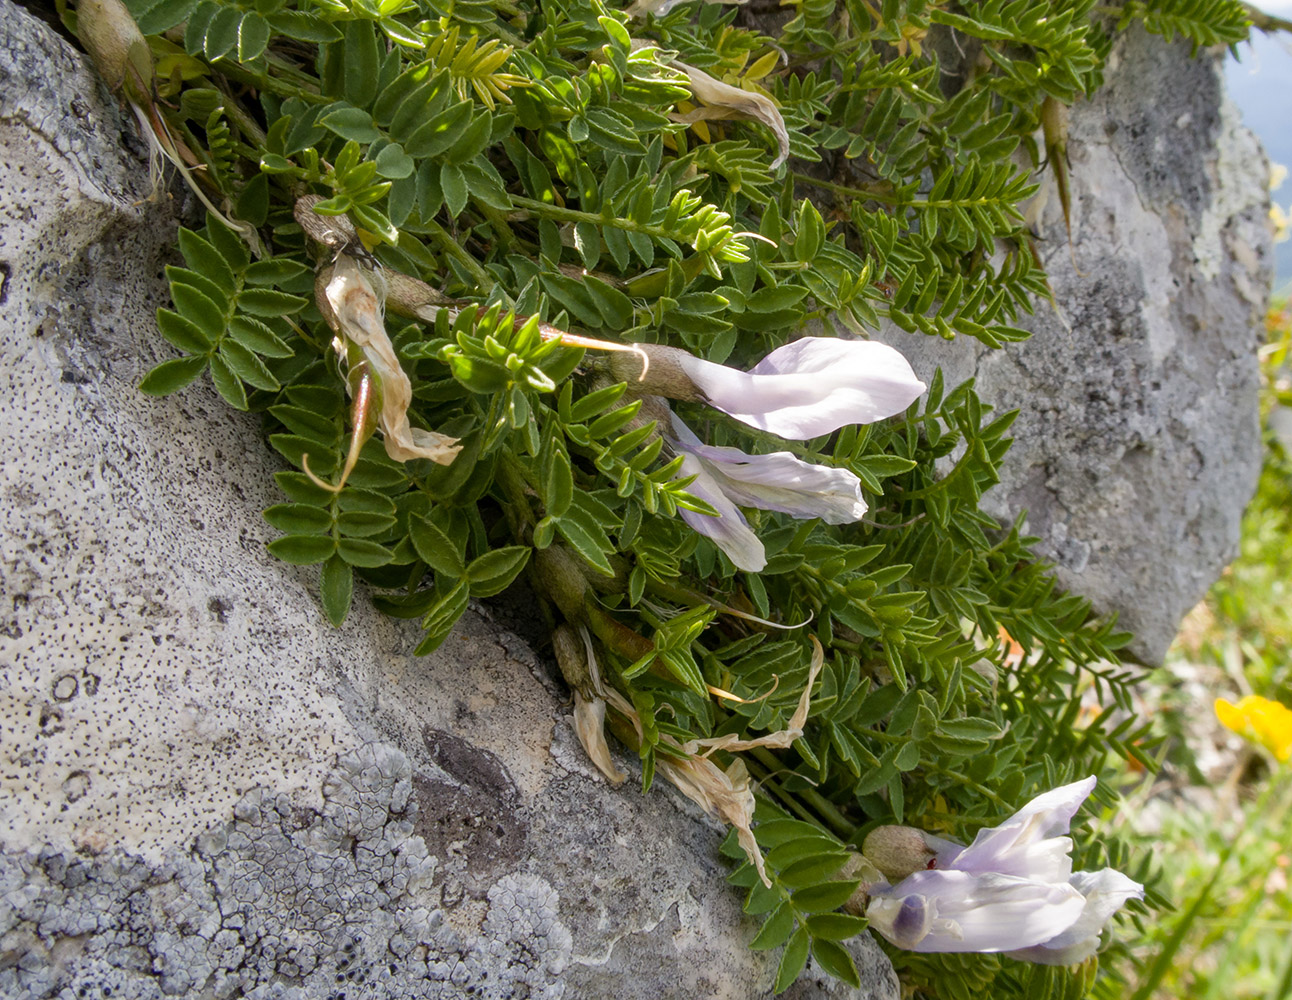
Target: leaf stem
455	250
264	81
558	213
850	192
827	811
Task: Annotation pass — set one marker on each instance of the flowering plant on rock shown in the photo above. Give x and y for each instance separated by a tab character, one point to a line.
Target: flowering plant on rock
522	288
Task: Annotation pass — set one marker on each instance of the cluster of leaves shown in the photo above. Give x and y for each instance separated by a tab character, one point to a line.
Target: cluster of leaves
530	158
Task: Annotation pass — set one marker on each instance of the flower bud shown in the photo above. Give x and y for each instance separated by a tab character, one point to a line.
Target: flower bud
857	866
898	851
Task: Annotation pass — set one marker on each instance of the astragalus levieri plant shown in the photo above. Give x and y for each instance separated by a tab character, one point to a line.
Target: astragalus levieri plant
588	294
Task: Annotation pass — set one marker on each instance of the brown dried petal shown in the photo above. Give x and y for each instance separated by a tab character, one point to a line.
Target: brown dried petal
358	315
726	101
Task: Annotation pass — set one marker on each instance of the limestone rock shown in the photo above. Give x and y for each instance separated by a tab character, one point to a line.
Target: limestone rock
1138	445
204	789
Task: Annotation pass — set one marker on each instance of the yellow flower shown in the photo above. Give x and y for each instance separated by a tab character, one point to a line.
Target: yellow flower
1260	720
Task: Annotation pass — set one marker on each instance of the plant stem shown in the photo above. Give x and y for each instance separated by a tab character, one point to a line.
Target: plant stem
986	793
851	192
247	125
827	811
454	249
763	777
264	81
498	222
558	213
1266	22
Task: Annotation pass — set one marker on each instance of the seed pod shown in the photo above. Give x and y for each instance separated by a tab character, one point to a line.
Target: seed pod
117	48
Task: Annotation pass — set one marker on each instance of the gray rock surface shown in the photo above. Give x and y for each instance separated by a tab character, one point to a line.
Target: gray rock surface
206	791
1138	445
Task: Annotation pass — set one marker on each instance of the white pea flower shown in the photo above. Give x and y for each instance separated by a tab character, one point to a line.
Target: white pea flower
807	388
779	481
1012	890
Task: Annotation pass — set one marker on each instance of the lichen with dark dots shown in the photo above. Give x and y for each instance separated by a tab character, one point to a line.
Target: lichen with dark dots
279	903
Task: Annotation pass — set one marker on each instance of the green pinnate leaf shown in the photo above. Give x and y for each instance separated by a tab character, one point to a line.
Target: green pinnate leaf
363	552
835	926
299	519
247	366
793	959
171	376
494	571
274	271
256	336
443	615
776	930
303	550
268	302
336	589
206	260
834	958
826	896
183	333
227	383
434	547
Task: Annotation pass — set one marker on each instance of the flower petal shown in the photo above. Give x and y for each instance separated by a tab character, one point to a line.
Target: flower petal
1106	891
937	911
726	794
590	727
729	530
358	314
725	101
779	481
1022	846
1261	720
811	387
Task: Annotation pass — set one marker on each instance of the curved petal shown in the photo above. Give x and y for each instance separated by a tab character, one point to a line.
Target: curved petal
729	530
357	311
1022	846
811	387
782	481
936	911
1106	891
945	851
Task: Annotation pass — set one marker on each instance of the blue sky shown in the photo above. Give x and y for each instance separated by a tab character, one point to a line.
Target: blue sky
1260	83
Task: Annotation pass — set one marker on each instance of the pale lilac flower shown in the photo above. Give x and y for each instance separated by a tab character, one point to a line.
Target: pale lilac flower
1012	890
779	481
802	390
810	387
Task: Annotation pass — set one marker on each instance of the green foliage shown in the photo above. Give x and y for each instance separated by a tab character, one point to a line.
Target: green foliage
1202	22
545	172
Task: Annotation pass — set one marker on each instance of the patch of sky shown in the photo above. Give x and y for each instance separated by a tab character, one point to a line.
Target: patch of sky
1260	83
